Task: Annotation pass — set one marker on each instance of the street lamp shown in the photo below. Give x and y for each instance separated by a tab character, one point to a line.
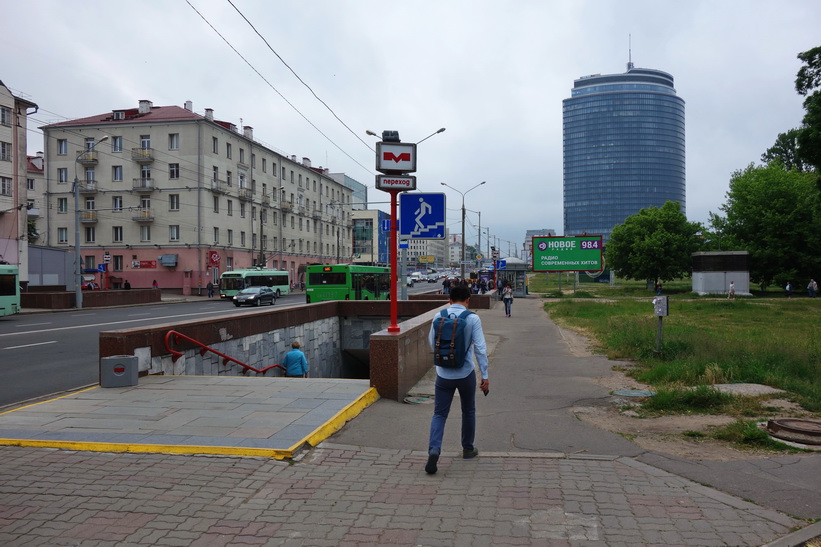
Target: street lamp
280	221
463	220
78	271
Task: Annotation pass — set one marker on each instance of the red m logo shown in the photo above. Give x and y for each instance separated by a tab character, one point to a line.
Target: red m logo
404	156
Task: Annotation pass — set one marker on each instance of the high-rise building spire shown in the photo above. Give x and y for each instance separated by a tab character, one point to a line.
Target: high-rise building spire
629	52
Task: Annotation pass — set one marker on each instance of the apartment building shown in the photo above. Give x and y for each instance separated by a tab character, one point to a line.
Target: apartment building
170	195
14	113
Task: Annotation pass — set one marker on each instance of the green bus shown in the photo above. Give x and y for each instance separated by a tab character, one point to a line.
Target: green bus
9	290
234	281
347	282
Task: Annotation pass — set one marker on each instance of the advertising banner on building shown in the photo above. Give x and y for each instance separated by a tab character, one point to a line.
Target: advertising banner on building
567	253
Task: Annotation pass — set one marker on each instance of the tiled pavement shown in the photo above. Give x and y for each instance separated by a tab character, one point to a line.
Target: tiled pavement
338	495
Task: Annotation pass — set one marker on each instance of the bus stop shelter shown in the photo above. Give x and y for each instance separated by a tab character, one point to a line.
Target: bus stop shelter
515	273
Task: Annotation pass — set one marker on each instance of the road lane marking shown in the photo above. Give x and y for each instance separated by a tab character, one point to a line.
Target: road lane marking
31	345
32	325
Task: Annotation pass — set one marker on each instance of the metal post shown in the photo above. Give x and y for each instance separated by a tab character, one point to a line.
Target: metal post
78	270
394	327
463	238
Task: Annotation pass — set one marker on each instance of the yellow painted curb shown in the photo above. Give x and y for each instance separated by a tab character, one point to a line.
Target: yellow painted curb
50	400
317	436
335	424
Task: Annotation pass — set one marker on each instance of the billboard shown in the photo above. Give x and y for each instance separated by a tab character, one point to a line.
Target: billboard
567	253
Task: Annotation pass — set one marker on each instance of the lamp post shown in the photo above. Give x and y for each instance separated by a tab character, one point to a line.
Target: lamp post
280	221
463	220
78	271
479	243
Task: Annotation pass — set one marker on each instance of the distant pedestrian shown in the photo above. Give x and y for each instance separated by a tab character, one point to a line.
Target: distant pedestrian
788	290
295	362
812	288
731	292
446	285
658	288
507	298
127	285
210	289
155	285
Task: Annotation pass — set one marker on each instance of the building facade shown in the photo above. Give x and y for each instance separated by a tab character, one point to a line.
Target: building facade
370	241
170	195
623	148
14	209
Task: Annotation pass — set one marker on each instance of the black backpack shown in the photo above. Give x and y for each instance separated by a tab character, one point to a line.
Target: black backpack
450	348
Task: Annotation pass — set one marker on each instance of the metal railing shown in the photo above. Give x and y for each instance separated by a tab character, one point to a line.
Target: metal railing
175	337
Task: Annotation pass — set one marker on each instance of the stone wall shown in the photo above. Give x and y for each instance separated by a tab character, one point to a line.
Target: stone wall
60	300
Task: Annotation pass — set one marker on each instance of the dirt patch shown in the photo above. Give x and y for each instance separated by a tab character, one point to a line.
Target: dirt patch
665	434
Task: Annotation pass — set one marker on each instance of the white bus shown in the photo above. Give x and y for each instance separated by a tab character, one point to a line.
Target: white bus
234	281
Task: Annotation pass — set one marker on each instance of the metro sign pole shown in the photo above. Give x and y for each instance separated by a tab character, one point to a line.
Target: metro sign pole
395	159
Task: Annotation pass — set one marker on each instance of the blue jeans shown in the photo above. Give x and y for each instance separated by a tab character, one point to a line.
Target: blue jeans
443	398
508	303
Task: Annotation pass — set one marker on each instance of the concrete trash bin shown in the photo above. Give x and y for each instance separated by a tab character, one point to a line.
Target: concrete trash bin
118	371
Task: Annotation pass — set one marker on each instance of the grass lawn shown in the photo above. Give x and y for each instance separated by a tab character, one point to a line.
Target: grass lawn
708	340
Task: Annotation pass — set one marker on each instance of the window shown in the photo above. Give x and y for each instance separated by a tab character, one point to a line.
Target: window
90	203
5	116
29	184
62	147
216	204
62	205
228	150
90	262
5	151
253	161
5	186
118	263
117	173
215	145
241	155
89	143
173	141
62	235
230	207
117	203
242	209
228	178
117	234
230	237
173	171
173	202
253	213
216	172
174	232
90	234
145	233
216	235
242	239
264	165
145	174
145	142
116	144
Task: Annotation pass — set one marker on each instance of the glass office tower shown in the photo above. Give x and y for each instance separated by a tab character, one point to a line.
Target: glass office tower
623	148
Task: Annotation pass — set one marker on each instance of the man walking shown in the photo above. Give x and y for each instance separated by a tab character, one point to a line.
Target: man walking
463	379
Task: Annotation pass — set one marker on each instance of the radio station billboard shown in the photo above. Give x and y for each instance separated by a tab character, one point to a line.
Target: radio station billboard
567	253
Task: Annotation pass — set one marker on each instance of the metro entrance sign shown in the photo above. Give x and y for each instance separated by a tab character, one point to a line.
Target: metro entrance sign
567	253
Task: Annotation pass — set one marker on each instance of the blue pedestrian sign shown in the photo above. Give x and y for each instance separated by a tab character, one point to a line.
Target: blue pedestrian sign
501	264
386	224
422	216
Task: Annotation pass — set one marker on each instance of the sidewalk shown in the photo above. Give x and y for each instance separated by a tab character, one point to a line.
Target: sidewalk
542	477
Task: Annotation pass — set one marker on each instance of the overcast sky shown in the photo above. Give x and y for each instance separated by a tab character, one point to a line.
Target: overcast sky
493	73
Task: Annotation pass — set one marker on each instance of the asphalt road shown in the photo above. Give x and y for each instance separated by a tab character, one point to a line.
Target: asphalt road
48	353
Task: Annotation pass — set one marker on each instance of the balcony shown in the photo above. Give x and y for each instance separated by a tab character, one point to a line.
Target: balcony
286	205
143	215
142	155
219	186
316	214
87	157
266	200
34	212
143	185
88	186
88	217
246	194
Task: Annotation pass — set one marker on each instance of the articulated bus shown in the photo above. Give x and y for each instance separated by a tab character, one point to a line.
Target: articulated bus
347	282
9	290
234	281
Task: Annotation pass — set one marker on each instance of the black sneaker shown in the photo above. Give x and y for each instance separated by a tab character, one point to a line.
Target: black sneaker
470	453
430	467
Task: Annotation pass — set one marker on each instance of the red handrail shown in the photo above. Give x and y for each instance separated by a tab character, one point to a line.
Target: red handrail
203	349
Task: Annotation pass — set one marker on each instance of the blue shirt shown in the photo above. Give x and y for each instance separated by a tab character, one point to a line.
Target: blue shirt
476	339
295	363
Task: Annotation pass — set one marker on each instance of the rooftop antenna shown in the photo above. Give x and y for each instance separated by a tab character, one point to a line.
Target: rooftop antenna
629	52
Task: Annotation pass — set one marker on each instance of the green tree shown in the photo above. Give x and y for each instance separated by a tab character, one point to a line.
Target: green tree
785	151
774	214
654	244
808	84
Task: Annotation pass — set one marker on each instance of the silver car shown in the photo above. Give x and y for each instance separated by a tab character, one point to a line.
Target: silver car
255	296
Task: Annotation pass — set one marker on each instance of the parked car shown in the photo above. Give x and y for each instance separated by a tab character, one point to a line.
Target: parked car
255	296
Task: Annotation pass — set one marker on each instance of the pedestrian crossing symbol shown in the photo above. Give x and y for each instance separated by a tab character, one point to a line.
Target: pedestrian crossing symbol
422	216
